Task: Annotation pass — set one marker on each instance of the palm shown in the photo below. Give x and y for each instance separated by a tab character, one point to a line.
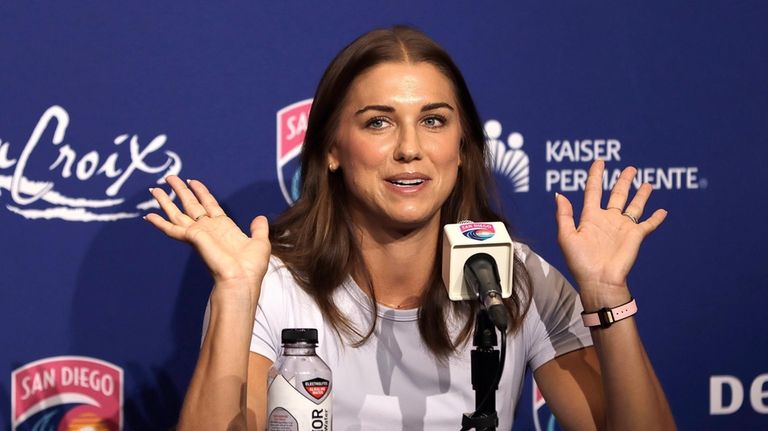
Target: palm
604	246
230	254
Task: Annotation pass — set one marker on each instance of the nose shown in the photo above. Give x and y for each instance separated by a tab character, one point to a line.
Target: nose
408	146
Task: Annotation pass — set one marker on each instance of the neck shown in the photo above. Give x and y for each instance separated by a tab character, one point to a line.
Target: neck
400	262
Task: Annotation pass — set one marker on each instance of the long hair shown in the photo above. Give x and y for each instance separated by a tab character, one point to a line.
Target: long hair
314	237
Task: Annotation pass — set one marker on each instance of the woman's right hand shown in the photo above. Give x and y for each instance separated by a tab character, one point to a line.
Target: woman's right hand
236	261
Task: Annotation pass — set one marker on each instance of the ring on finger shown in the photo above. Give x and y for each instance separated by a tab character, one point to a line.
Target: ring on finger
614	208
631	217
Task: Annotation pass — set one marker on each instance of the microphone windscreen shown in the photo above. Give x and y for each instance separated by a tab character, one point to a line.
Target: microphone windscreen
463	240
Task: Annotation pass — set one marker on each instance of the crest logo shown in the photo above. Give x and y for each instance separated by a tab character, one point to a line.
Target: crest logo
477	231
67	392
543	419
291	128
316	387
507	159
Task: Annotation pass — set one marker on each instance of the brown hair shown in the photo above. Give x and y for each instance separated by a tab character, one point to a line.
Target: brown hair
314	237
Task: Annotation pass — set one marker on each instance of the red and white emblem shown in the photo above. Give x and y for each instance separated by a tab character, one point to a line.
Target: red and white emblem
291	128
67	392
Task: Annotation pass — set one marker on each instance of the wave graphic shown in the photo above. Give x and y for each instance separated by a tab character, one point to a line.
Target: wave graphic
479	234
69	208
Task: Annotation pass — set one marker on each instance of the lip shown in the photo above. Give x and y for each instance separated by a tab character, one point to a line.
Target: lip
407	176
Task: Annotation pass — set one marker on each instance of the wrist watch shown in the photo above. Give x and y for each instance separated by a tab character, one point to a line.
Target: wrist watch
605	316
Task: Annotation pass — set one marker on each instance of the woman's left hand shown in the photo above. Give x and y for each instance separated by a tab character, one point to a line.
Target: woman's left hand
601	251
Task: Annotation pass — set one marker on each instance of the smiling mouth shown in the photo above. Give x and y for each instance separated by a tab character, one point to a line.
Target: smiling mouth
407	183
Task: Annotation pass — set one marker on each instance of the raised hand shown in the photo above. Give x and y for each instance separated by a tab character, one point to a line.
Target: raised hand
601	251
233	257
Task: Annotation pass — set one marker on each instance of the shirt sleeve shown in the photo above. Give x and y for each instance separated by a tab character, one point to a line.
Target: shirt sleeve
553	324
271	312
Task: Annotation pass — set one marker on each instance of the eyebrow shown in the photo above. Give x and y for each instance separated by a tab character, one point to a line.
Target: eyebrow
386	108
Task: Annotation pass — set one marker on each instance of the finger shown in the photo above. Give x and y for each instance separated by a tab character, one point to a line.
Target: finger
166	227
654	221
593	190
564	215
205	198
260	228
620	191
169	208
192	206
637	205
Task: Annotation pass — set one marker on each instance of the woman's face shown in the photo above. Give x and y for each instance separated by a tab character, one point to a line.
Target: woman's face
398	144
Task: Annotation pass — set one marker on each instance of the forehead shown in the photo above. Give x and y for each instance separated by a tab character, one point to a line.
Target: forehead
401	83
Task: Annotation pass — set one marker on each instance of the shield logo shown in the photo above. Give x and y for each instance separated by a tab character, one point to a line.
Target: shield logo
543	419
67	392
291	128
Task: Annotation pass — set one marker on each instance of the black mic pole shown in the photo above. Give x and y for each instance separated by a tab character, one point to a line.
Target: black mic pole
485	368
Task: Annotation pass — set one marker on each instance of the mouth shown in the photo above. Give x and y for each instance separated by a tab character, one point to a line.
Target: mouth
408	180
407	183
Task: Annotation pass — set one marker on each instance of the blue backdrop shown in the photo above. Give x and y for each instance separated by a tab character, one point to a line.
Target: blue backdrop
99	100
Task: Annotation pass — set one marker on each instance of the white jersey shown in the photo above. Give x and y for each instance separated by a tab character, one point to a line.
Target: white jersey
392	382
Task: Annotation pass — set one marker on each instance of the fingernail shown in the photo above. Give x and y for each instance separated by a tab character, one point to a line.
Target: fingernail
144	217
150	189
556	195
189	181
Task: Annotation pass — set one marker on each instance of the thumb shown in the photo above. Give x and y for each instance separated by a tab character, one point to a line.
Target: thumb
564	215
260	228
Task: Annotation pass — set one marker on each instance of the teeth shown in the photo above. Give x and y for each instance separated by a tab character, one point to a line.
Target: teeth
407	182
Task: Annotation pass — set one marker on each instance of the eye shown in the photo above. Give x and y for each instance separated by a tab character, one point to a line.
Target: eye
377	123
434	121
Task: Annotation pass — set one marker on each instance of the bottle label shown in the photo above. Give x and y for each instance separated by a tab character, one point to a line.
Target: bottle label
303	408
317	388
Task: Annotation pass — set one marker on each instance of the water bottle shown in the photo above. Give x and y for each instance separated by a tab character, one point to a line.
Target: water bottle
299	396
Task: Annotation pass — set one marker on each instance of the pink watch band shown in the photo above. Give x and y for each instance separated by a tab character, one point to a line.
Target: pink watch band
605	317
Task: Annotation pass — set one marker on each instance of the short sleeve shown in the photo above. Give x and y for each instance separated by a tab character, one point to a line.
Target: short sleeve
270	312
553	324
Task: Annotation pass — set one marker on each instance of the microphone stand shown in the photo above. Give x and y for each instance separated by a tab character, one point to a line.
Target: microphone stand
485	368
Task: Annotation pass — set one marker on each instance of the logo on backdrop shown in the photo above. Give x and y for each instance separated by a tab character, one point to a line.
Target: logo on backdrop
291	127
507	159
35	192
67	392
567	163
727	394
543	419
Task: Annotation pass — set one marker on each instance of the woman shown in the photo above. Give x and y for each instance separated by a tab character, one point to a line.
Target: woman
394	150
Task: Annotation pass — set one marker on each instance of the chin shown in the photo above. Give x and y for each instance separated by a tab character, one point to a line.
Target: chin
413	220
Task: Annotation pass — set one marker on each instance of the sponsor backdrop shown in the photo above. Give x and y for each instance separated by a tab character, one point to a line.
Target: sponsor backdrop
99	101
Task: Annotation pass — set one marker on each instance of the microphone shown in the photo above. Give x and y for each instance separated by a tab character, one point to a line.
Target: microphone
478	260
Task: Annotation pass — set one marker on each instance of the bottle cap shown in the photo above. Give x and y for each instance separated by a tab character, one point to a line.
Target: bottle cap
299	335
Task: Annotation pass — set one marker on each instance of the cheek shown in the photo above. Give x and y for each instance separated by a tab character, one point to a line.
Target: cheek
363	152
448	157
360	176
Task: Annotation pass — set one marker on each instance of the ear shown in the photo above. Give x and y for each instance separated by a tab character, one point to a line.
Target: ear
333	159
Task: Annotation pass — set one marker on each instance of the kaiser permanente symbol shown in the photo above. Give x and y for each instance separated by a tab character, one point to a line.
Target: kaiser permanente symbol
291	127
507	159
